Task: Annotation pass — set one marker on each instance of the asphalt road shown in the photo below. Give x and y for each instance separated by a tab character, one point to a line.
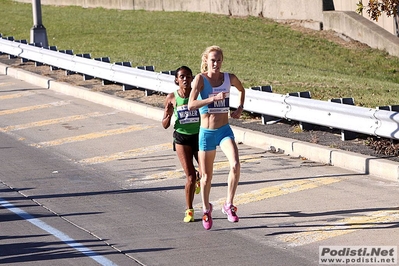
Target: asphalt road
84	183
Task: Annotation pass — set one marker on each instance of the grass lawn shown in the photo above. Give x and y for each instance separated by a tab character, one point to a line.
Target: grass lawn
259	51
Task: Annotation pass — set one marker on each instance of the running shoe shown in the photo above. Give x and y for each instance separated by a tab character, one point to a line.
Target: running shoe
207	218
198	184
189	216
230	210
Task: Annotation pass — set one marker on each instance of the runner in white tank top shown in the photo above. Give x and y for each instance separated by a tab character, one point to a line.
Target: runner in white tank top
211	94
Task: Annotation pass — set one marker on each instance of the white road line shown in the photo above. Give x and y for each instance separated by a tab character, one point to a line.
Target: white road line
58	234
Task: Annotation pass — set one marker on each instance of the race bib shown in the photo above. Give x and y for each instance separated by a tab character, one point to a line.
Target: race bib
222	106
186	116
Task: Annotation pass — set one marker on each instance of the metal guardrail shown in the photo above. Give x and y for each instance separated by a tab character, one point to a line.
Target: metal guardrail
363	120
341	116
103	70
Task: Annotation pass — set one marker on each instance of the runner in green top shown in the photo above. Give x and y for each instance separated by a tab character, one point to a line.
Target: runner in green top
185	136
187	122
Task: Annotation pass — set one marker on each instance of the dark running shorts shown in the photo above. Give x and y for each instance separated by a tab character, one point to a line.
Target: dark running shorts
188	140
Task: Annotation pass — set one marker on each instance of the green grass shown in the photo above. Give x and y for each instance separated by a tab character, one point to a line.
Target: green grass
259	51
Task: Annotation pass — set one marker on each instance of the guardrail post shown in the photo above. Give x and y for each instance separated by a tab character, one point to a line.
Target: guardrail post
38	31
107	60
169	72
267	119
36	44
303	94
148	68
102	59
70	72
385	108
393	108
9	38
88	56
126	64
70	52
345	134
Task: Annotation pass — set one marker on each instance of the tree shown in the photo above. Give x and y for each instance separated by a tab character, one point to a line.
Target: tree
375	8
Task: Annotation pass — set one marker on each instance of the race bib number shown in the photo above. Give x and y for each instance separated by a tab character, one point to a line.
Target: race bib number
186	116
222	106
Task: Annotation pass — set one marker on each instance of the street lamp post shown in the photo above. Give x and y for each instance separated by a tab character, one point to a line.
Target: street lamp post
38	32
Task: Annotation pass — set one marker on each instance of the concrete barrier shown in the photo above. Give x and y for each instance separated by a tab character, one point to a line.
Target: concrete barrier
384	22
32	78
366	164
362	30
3	69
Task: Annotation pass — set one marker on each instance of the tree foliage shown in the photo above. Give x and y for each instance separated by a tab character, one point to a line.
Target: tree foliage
375	8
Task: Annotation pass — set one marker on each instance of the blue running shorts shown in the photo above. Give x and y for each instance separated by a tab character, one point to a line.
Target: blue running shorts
210	138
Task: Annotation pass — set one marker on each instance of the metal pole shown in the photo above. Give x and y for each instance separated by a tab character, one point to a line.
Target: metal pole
38	32
396	20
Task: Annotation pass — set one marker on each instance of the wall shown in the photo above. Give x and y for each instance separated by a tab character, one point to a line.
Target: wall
301	10
385	22
362	30
309	12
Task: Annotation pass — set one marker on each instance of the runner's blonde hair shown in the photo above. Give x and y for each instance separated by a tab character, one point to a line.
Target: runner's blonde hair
213	48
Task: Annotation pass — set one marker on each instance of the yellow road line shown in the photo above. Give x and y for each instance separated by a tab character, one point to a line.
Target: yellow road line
243	159
179	173
94	135
10	96
6	83
275	191
127	154
52	121
342	227
31	108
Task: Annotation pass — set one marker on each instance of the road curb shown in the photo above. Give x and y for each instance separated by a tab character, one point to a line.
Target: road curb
363	164
32	78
